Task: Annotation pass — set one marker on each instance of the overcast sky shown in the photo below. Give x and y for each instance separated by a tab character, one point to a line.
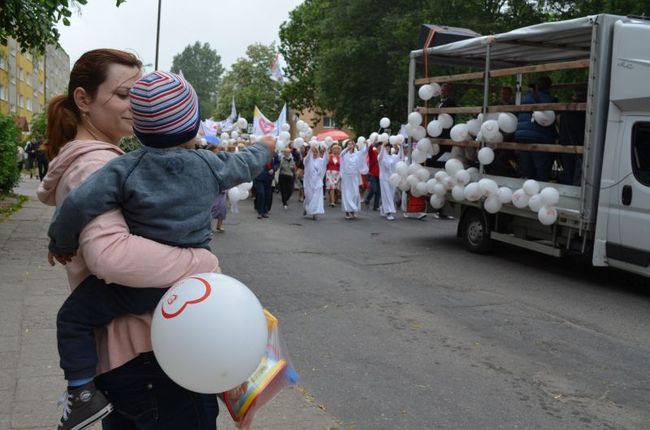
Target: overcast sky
229	26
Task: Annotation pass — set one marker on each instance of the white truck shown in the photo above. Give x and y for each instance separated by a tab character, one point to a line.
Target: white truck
607	216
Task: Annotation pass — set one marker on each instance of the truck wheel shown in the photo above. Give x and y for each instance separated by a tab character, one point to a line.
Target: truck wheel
476	233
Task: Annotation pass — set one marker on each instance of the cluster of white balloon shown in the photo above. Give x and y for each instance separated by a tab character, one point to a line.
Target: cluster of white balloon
238	129
240	192
464	184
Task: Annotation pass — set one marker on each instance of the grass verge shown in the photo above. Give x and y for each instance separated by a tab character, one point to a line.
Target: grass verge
9	204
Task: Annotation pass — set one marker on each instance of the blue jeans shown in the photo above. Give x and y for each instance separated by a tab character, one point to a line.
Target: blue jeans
263	196
146	399
374	190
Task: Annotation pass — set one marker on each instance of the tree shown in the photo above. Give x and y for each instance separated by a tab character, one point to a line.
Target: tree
9	139
351	57
201	66
38	126
33	22
250	83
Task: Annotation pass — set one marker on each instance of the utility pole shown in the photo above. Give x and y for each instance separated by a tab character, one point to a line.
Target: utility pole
158	34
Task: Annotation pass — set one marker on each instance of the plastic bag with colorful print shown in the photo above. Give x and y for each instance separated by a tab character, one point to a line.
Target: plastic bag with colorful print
273	374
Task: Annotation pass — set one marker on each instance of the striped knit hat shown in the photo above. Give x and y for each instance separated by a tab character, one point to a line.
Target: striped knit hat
165	110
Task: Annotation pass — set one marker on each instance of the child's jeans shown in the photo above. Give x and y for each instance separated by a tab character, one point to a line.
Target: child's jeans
91	305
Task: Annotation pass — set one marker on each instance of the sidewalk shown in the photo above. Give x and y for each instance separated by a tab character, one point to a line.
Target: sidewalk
32	291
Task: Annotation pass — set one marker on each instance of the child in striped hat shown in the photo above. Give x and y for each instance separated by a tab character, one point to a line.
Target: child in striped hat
156	188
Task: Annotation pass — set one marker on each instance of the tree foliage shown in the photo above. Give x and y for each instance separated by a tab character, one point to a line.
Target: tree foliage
250	83
351	57
9	139
201	66
33	22
38	126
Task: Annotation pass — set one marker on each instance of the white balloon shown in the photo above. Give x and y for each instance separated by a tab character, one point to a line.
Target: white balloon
463	177
302	125
449	182
544	118
414	167
459	133
209	333
458	193
436	89
242	123
435	149
436	201
531	187
431	183
418	156
419	133
234	194
243	194
285	127
426	92
446	120
489	129
473	126
440	175
434	128
402	169
373	137
505	195
284	136
497	138
492	204
234	135
415	118
507	122
361	139
279	145
488	186
393	140
421	188
224	136
439	189
472	192
394	179
485	155
547	215
535	203
550	196
453	165
383	138
298	142
473	173
384	122
328	141
423	174
415	192
404	185
245	186
412	180
520	199
487	117
424	145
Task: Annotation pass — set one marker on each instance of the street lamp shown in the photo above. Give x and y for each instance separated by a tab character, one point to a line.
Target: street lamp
158	33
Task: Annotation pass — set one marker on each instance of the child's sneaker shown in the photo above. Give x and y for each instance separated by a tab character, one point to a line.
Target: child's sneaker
82	407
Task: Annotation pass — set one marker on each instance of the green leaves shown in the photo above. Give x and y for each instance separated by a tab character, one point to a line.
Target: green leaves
201	66
9	139
33	22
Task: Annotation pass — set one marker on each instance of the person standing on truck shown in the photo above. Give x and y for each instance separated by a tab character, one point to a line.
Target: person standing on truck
572	132
536	165
505	160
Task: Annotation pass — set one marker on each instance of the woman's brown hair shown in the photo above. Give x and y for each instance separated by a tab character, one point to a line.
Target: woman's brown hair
89	72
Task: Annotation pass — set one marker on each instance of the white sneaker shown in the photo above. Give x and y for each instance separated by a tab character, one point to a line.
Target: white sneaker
286	207
390	217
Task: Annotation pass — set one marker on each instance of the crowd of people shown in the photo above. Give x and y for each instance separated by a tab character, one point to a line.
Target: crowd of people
32	158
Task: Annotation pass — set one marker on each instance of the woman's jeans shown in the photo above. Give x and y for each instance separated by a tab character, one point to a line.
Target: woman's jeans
146	399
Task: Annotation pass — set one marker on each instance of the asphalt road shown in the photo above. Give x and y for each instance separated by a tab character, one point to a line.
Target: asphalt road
393	325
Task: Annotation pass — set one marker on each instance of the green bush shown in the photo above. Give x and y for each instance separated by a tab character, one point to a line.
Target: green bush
9	139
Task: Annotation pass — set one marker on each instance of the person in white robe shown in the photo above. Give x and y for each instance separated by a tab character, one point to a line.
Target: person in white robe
387	162
353	163
315	164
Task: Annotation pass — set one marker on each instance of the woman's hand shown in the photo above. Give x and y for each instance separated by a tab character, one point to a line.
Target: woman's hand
62	259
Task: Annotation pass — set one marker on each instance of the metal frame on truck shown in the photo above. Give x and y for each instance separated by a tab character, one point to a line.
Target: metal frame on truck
579	43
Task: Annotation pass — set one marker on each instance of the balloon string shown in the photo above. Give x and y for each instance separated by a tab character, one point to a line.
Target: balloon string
432	32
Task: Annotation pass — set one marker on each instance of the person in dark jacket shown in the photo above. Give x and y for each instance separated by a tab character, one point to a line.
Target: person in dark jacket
572	132
263	188
536	165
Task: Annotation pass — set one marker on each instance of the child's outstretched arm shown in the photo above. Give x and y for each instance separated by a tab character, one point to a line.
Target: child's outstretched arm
100	193
231	169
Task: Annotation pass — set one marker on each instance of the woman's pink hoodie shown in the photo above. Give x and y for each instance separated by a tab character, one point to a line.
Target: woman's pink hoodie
107	250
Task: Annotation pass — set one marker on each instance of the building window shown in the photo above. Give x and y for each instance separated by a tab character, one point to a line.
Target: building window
21	101
328	122
13	108
29	104
641	152
3	95
3	63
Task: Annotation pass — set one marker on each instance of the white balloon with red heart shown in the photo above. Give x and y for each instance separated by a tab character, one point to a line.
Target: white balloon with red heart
209	333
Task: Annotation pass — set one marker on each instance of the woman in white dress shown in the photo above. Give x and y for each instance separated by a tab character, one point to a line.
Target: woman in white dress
353	162
315	165
387	163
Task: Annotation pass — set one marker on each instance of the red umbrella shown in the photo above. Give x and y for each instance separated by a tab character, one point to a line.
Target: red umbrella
334	134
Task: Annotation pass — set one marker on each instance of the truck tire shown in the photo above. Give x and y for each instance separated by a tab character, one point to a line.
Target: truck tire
476	232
